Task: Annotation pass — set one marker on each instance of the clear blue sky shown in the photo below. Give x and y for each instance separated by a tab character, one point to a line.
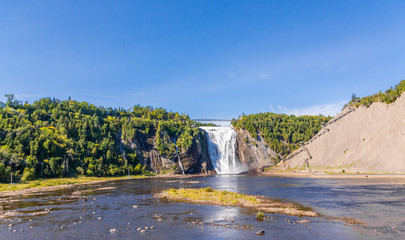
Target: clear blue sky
208	59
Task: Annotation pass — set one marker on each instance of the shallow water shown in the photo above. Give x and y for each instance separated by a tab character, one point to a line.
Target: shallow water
90	211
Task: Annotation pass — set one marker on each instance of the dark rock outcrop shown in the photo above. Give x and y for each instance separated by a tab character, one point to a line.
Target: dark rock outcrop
254	153
194	160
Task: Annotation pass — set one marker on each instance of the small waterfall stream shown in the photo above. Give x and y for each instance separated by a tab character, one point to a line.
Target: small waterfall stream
221	148
178	156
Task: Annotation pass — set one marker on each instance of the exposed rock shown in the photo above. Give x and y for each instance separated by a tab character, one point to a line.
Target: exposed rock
357	140
304	221
196	159
261	232
254	153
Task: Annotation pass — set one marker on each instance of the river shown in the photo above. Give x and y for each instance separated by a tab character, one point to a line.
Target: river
91	211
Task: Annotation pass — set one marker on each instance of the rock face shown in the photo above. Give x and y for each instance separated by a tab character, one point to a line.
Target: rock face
254	153
357	140
195	160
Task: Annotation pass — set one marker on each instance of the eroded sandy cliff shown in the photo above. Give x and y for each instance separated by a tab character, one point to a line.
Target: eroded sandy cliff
357	140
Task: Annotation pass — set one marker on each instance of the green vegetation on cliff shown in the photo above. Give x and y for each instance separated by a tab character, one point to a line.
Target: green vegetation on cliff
283	133
53	138
389	96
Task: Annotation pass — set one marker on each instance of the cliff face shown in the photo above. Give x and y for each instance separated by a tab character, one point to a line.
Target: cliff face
254	153
194	160
357	140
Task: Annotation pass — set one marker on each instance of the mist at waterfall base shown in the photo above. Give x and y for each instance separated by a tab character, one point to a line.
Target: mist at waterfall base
221	149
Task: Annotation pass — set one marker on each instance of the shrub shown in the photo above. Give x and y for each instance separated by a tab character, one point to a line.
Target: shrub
28	175
208	189
80	170
259	216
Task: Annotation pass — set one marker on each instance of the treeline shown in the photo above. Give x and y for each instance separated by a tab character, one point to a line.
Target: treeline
54	138
283	133
389	96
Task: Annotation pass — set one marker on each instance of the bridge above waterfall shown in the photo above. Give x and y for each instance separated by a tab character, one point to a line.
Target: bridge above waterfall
219	122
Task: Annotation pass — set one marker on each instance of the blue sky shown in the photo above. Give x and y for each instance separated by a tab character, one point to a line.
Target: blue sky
208	59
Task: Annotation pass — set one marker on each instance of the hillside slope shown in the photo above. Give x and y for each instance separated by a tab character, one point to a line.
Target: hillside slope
363	139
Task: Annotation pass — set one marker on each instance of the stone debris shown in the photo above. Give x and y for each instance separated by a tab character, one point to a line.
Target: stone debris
261	232
304	221
113	230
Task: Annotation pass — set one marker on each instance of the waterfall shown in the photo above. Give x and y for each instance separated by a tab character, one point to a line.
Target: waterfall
221	148
178	157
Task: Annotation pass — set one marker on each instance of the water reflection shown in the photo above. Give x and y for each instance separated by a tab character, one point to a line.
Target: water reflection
90	211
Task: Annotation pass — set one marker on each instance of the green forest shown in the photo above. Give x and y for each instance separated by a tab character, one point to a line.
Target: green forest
53	138
283	133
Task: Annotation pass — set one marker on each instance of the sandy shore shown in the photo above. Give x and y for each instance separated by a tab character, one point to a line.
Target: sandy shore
344	175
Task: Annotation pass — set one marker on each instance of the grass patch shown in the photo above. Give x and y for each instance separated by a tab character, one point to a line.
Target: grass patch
225	198
56	182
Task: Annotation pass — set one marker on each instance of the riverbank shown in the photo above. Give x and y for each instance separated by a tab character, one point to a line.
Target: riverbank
44	185
334	175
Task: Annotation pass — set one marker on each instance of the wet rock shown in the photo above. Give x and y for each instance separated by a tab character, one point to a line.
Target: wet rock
146	228
139	229
99	218
113	230
143	230
152	227
394	227
261	232
304	221
10	225
134	206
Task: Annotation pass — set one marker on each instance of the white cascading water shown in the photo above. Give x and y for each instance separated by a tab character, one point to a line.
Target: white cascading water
221	148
